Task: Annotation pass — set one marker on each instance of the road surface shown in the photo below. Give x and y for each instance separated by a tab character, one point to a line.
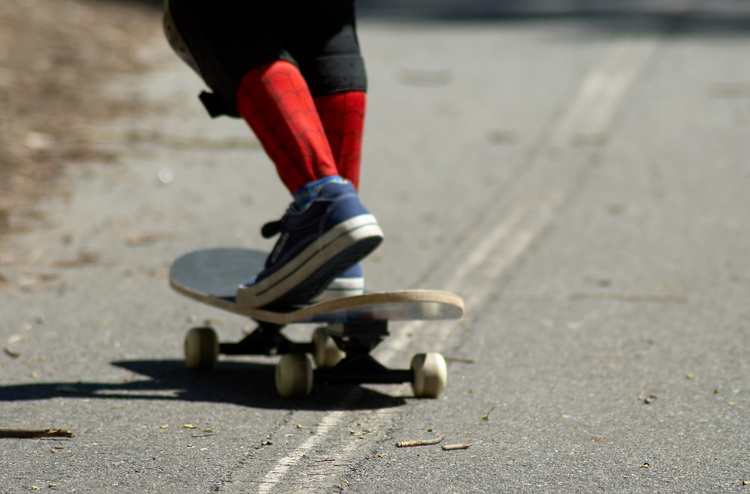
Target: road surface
582	183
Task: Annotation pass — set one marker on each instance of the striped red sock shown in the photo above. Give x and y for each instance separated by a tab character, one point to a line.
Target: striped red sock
343	117
275	101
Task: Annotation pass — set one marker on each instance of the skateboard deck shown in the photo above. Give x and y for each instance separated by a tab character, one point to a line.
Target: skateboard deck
212	277
352	327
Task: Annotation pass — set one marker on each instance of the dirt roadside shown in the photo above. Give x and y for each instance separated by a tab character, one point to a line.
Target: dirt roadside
54	56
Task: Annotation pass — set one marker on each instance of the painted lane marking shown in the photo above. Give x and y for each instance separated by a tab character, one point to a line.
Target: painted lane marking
282	467
531	205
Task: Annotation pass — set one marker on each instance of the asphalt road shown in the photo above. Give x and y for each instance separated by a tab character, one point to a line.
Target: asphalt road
582	183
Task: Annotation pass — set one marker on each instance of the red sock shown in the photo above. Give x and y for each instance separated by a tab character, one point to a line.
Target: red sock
343	116
275	101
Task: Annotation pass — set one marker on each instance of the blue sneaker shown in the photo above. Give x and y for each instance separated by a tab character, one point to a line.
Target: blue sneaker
317	244
348	284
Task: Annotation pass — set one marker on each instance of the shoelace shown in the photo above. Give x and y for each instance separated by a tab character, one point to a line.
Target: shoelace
273	228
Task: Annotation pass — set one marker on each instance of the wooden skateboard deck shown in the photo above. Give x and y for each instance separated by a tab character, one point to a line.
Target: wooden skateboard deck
212	276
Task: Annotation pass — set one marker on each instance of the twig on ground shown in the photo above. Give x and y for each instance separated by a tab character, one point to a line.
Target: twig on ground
424	442
452	447
30	433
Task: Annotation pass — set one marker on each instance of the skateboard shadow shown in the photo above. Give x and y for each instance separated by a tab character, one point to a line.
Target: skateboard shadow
248	384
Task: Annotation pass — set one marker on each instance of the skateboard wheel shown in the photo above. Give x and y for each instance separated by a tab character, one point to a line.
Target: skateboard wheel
201	349
294	376
430	375
326	354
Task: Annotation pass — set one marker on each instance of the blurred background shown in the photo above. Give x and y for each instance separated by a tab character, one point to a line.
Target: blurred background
54	54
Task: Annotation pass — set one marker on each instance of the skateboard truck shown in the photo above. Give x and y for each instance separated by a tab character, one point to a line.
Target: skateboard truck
341	352
359	337
357	340
266	339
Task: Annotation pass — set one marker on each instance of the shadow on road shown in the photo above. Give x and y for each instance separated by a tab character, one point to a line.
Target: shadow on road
246	384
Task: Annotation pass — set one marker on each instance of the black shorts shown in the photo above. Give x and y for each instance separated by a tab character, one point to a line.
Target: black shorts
224	39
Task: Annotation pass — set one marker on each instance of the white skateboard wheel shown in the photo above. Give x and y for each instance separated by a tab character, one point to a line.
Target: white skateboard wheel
430	375
201	349
294	376
326	354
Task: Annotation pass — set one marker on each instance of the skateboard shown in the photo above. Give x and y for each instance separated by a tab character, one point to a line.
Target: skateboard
349	327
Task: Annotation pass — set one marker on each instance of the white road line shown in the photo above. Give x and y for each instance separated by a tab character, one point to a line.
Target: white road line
598	98
484	249
484	261
280	469
532	204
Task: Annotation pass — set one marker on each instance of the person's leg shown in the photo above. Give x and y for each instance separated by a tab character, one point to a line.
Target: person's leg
322	41
343	117
326	230
275	101
232	45
322	38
